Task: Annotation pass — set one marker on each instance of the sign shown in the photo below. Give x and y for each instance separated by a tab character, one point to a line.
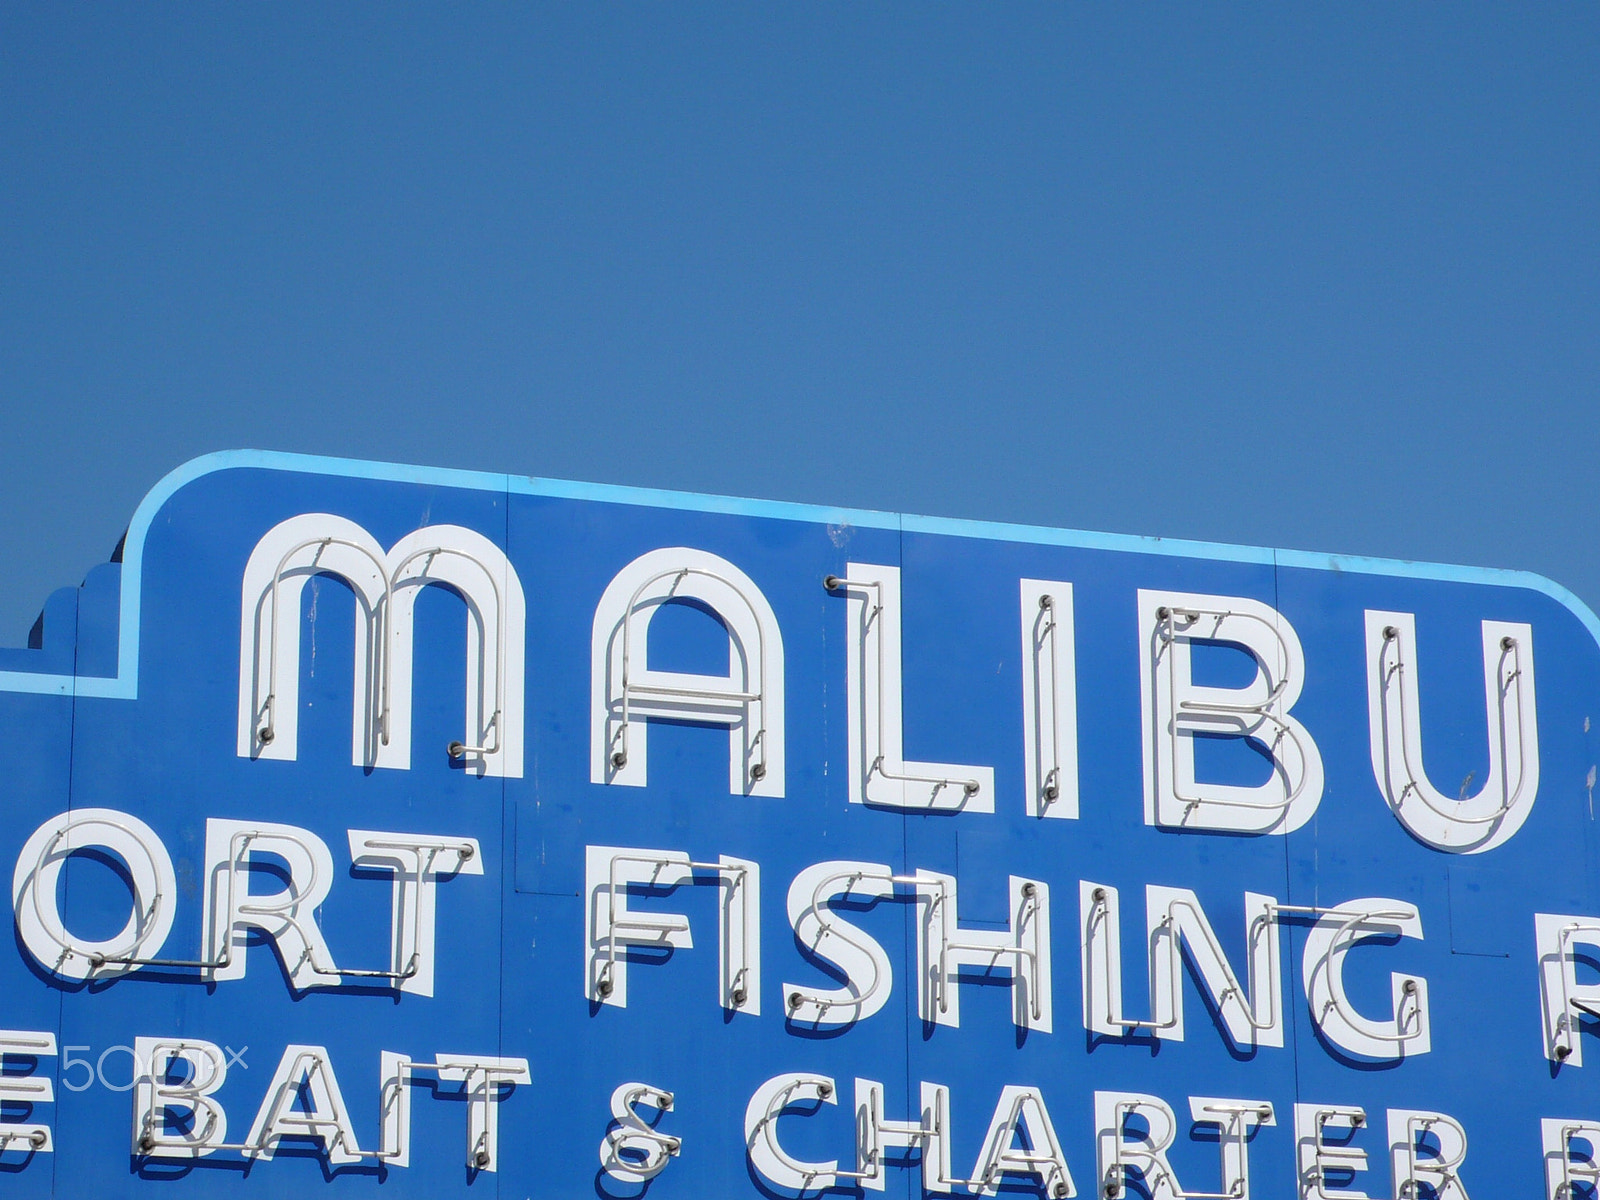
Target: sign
387	831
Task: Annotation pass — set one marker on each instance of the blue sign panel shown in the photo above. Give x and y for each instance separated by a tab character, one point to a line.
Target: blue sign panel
381	830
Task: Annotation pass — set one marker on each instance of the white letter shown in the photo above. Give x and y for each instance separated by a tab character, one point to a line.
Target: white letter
1252	1015
879	772
304	1072
34	894
284	560
1327	942
478	571
481	1078
283	916
1562	1172
417	861
1049	699
869	979
1100	961
1562	995
1437	1170
875	1134
1118	1152
203	1124
626	691
1175	709
761	1132
1023	949
1464	824
1316	1158
649	1150
1022	1107
610	925
394	1108
1234	1120
26	1089
386	587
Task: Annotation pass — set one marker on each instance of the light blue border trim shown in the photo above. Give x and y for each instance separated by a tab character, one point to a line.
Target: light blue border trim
125	684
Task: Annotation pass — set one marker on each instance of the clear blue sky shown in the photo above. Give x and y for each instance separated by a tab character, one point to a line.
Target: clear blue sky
1324	277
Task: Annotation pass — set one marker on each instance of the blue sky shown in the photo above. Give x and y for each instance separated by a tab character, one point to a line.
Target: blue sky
1323	277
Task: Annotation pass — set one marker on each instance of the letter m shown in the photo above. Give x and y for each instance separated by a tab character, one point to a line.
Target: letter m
386	586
